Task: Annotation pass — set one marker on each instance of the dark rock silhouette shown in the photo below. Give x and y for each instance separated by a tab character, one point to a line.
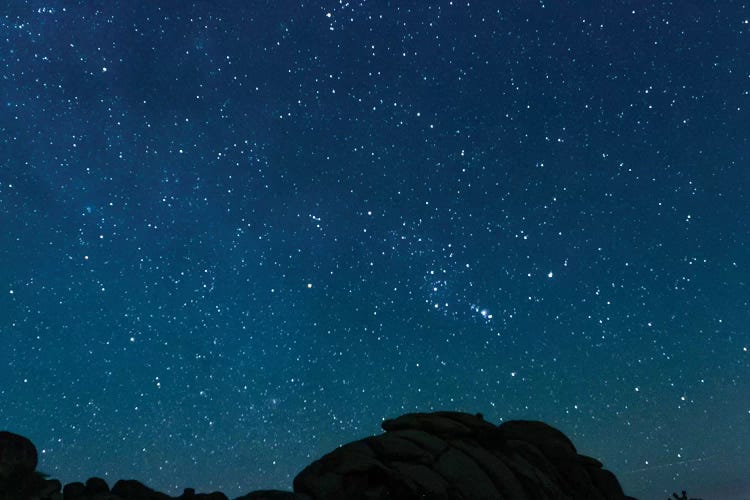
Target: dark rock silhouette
437	456
17	453
451	455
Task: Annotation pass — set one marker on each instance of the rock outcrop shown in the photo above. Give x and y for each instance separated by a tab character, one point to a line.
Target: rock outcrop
450	455
17	453
437	456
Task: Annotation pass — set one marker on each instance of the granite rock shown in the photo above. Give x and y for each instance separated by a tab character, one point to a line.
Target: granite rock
459	456
96	486
74	491
16	453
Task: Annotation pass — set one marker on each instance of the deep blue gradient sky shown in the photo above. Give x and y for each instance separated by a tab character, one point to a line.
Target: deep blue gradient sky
238	234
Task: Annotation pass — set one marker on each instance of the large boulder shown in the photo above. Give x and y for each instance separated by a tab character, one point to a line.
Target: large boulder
17	454
458	456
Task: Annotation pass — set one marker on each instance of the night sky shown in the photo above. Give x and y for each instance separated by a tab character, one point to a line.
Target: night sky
234	235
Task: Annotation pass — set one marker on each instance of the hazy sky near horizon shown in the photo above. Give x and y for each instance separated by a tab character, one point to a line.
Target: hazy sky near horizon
238	234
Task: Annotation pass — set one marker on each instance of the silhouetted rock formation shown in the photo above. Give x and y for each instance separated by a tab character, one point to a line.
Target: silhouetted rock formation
437	456
450	455
17	453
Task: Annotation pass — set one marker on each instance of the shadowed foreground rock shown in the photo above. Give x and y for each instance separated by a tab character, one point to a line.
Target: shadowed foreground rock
450	455
436	456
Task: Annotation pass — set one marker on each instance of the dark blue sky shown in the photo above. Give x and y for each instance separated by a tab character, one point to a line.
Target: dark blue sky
238	234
